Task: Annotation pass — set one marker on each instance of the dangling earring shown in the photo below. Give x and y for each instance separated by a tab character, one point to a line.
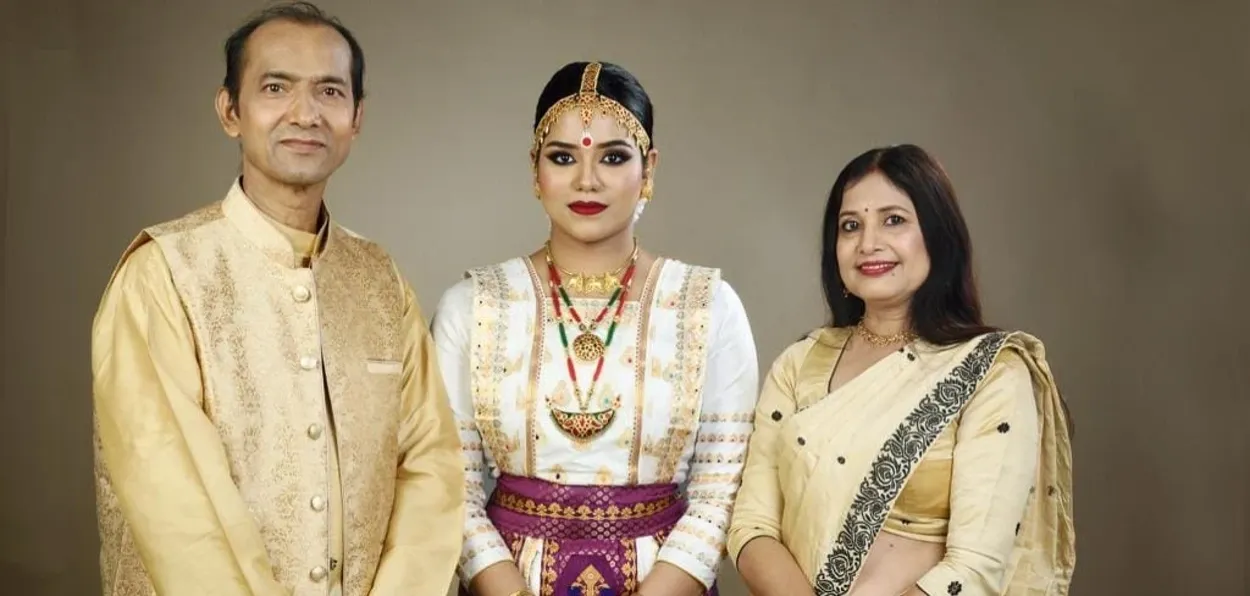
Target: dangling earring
538	193
845	293
638	209
643	200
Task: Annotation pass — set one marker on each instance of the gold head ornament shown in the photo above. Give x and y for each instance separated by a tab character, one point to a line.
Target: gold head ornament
590	103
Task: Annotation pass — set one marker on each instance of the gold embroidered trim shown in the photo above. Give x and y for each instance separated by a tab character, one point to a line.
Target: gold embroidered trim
526	506
646	302
694	300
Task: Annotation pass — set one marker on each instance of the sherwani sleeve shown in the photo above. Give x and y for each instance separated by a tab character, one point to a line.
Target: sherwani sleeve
453	322
424	538
697	543
162	455
995	460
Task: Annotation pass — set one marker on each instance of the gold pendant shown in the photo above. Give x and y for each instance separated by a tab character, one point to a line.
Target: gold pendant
583	426
591	285
587	347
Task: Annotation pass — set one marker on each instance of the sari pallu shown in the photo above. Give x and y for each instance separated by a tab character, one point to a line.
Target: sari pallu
585	536
863	456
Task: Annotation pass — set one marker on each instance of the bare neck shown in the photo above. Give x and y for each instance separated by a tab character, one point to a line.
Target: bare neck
297	207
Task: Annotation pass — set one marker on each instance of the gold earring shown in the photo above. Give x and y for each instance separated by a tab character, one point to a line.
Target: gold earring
538	193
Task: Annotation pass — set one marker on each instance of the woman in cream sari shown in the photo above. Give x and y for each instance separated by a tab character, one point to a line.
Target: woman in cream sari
908	449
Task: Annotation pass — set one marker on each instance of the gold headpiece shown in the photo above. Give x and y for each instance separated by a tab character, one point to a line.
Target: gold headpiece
588	100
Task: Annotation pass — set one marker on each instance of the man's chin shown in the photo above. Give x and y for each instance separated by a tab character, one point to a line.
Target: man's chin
301	179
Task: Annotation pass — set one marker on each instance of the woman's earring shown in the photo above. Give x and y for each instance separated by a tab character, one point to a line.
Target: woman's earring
643	199
538	193
638	209
845	293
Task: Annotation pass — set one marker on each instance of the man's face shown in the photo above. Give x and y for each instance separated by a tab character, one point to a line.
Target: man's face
295	116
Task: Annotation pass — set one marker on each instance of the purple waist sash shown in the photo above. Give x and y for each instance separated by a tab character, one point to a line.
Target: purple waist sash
588	532
540	509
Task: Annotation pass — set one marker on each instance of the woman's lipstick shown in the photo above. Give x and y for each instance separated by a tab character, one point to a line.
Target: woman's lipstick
876	268
587	207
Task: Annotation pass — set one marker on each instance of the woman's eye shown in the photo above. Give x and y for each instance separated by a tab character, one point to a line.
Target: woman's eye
560	158
894	220
616	158
850	225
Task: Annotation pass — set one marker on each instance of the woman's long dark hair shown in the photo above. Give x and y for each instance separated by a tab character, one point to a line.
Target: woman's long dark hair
946	309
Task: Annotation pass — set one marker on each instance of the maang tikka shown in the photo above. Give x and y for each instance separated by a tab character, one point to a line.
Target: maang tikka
589	102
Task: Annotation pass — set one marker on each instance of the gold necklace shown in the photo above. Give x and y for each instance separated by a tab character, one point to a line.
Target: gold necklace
596	285
881	341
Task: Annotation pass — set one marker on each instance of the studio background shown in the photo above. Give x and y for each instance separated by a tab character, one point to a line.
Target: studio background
1099	150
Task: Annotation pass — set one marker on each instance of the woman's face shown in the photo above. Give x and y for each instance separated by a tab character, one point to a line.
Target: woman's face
590	192
881	253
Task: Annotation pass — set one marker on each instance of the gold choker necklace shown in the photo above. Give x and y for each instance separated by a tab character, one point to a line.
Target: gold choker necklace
593	284
881	341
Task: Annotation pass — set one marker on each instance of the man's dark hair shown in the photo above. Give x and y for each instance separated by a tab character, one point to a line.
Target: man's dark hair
304	13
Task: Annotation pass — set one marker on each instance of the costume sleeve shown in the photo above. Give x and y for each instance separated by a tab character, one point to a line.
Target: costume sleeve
697	542
423	541
757	511
162	457
453	322
995	458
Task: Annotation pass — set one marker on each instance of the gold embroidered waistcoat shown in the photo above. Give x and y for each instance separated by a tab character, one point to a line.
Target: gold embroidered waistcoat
273	337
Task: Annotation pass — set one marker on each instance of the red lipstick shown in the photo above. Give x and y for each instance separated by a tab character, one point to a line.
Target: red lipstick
876	268
587	207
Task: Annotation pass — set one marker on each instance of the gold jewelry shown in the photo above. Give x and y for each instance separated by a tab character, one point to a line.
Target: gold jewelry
523	592
589	102
591	284
594	284
881	341
648	187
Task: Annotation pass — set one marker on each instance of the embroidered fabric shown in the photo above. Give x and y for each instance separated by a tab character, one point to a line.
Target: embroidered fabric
588	532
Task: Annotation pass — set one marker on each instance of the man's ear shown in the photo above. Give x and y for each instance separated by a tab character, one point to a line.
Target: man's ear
227	113
359	119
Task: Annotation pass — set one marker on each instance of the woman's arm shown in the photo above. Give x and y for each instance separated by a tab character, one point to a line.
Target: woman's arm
766	565
499	579
768	569
994	467
690	556
486	564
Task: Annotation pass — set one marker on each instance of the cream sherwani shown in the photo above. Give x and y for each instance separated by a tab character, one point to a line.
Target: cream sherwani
270	418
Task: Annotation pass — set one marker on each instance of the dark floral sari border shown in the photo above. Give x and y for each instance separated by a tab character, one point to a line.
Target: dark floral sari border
901	452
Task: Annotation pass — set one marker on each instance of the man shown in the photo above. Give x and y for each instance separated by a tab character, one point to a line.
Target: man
269	415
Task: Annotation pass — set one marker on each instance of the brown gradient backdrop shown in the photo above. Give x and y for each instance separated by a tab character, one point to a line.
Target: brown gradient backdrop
1098	151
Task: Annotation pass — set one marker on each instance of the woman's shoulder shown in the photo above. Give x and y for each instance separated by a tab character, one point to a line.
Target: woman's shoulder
693	275
1003	349
794	354
509	268
497	277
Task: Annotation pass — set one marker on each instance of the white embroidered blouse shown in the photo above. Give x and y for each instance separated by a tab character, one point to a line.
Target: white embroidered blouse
682	364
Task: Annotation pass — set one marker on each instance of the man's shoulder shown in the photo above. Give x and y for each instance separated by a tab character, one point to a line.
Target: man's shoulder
359	243
192	220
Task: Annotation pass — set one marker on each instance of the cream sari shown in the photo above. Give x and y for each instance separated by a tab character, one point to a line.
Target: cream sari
826	469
